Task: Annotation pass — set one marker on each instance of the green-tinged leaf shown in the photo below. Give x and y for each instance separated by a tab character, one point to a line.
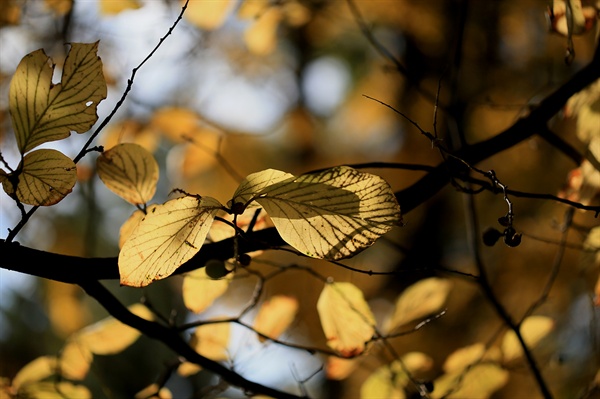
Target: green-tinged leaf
42	111
389	381
200	291
533	330
333	214
36	370
275	316
46	177
255	182
346	318
419	300
168	236
129	171
211	341
54	390
110	336
479	381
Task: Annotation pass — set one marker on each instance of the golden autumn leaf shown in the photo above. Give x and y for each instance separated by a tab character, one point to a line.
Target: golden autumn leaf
45	177
110	336
208	14
200	291
36	370
419	300
113	7
54	390
168	236
186	369
332	214
211	340
479	381
388	381
464	357
261	36
130	131
533	330
275	315
346	318
337	368
175	122
154	391
42	111
75	360
129	171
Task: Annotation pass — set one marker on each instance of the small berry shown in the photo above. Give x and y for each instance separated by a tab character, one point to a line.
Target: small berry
504	221
244	259
491	236
238	208
216	269
513	240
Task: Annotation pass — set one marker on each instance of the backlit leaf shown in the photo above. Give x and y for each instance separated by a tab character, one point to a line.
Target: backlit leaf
261	36
333	214
533	330
175	123
419	300
208	14
338	368
112	7
129	171
346	318
75	360
110	336
42	111
255	182
275	316
54	390
36	370
47	176
388	381
199	291
480	381
186	369
464	357
211	340
154	391
166	237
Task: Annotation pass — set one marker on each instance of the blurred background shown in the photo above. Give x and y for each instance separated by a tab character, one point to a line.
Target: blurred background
239	87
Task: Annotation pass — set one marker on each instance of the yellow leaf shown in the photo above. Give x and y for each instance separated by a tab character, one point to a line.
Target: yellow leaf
129	171
389	381
110	336
585	107
129	131
36	370
419	300
261	36
131	223
346	318
153	391
533	330
55	390
275	316
175	123
464	357
46	177
252	9
42	111
186	369
113	7
10	13
75	359
167	237
480	381
333	214
208	14
211	340
200	291
337	368
59	7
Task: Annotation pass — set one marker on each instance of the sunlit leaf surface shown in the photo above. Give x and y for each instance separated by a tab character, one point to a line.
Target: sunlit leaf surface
129	171
464	357
75	359
346	318
275	316
165	239
154	391
112	7
332	214
36	370
338	368
55	390
200	291
211	340
110	336
206	14
533	330
47	176
42	111
480	381
419	300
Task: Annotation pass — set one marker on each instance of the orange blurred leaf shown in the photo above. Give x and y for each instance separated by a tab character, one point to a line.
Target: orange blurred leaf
211	340
533	330
113	7
175	123
275	316
479	381
200	291
346	318
208	14
36	370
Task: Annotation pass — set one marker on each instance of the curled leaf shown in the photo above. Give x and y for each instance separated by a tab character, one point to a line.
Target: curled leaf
168	236
346	318
42	111
44	178
129	171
